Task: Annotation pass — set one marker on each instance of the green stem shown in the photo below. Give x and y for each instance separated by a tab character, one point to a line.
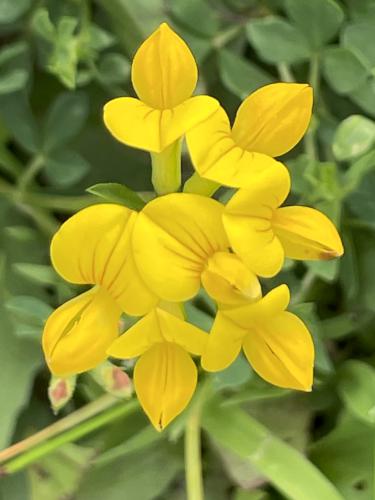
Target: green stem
166	169
30	173
199	185
307	283
71	428
48	201
285	73
193	460
309	139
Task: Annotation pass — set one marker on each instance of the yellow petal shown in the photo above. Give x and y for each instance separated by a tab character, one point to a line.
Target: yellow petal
282	352
270	305
135	341
224	344
247	221
216	155
173	237
228	281
138	125
93	247
158	326
78	333
306	233
165	378
273	119
180	332
164	72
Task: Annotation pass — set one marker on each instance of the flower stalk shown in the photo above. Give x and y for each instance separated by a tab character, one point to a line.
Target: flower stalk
71	428
166	169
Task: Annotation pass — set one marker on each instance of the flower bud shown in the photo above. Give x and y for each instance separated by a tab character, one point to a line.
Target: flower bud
60	391
113	379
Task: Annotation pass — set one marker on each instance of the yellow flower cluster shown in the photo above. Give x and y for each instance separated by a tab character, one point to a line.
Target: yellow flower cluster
148	263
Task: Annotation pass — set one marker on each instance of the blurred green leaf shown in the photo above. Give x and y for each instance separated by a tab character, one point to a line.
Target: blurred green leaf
63	59
17	117
364	96
65	167
346	457
239	75
37	273
190	14
19	360
318	20
357	171
29	309
307	312
343	70
57	476
65	119
114	68
277	41
357	389
117	193
42	25
14	67
354	136
361	201
237	374
143	476
10	11
288	470
358	38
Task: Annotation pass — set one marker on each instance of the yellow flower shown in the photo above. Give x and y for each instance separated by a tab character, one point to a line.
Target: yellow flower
165	376
78	333
179	242
93	247
263	234
269	123
164	76
276	342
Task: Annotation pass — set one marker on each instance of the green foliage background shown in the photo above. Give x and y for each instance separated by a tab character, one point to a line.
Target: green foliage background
60	61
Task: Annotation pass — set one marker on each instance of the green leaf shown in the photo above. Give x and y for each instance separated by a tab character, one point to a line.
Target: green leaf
345	456
28	309
65	168
65	119
142	476
307	312
364	96
37	273
63	59
114	68
19	360
357	389
238	373
239	75
42	25
318	20
14	67
358	37
117	193
10	11
190	14
277	41
57	476
343	70
17	117
354	136
288	470
357	171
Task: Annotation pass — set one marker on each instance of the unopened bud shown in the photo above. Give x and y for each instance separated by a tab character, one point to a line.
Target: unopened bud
113	379
60	391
